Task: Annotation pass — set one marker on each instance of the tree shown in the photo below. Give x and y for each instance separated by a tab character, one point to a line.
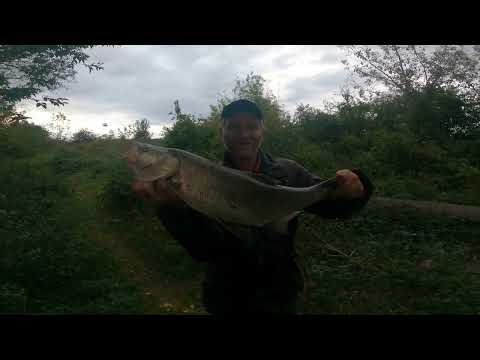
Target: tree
139	130
28	70
142	129
83	136
436	88
253	88
191	134
412	68
59	127
9	117
318	126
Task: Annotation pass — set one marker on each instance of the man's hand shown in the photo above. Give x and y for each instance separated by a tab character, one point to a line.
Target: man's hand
349	186
157	192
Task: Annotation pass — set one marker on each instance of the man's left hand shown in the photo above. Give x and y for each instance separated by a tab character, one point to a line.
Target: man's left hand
349	186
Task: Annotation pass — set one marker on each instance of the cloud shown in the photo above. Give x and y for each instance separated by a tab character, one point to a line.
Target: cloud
316	89
144	81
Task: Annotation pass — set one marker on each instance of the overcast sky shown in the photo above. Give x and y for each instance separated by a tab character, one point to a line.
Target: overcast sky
143	81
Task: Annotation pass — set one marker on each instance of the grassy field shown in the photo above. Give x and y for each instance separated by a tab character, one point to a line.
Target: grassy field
393	264
74	239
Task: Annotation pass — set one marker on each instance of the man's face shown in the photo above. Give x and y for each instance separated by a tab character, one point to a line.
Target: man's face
242	135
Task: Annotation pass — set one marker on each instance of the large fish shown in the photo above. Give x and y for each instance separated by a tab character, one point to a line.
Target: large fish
224	194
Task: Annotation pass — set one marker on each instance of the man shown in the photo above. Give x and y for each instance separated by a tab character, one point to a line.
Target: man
256	273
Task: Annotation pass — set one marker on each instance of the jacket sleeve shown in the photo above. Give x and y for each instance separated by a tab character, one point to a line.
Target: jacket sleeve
331	209
204	239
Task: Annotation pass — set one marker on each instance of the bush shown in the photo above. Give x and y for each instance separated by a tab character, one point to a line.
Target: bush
117	196
193	136
69	162
23	140
12	298
404	155
48	261
83	136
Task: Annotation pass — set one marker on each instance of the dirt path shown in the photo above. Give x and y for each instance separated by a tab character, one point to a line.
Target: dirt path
471	213
160	296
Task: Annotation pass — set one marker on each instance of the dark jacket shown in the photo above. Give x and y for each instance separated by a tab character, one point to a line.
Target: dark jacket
255	272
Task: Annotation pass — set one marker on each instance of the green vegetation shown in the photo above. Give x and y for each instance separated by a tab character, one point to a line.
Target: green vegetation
398	263
75	239
27	71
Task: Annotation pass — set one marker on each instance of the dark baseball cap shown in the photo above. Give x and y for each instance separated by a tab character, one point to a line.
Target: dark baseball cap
241	106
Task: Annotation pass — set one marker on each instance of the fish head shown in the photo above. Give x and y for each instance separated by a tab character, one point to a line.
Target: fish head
151	162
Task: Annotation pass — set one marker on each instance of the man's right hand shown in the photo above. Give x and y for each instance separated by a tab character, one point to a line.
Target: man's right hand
157	192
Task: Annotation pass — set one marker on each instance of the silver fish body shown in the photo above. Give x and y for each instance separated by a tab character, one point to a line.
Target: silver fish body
222	193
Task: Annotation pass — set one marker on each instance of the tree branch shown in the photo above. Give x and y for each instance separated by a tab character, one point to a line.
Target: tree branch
395	48
422	64
379	69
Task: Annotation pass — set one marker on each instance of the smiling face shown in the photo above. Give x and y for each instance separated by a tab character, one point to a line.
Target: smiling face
242	135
